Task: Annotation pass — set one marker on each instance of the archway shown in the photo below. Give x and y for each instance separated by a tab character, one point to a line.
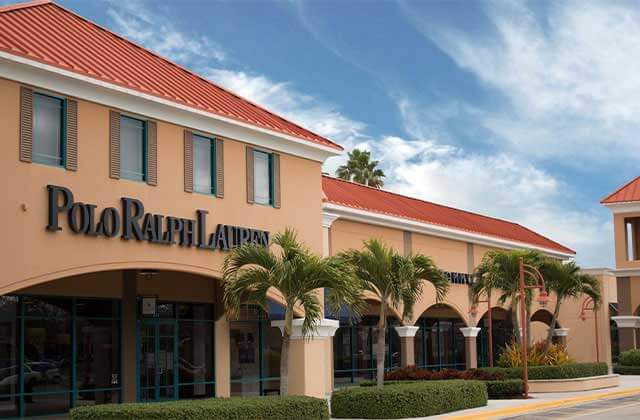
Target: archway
439	344
354	357
540	324
502	334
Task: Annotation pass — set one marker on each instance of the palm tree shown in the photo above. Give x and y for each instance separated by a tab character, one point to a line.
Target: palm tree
566	281
396	281
501	270
361	169
251	270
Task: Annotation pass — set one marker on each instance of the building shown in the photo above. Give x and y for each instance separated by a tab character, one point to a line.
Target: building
127	178
624	204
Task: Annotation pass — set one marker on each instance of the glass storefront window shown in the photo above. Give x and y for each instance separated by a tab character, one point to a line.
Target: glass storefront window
439	344
65	359
354	350
255	353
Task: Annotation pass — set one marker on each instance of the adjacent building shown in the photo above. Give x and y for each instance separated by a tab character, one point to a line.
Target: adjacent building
126	180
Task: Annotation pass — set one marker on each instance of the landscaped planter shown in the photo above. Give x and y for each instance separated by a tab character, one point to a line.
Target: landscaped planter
573	384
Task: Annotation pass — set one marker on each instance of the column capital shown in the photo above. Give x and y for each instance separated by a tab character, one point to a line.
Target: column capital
328	219
406	330
627	321
561	332
325	328
470	331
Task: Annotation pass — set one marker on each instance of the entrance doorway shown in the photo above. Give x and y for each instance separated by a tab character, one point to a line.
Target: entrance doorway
175	352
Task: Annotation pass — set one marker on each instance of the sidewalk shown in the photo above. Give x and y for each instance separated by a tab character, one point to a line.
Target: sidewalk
503	408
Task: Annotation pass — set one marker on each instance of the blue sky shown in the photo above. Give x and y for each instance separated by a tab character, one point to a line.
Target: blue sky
527	111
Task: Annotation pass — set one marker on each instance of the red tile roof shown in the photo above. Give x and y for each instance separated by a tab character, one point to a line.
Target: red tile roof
48	33
361	197
628	192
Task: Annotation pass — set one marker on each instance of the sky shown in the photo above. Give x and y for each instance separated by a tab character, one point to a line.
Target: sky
527	111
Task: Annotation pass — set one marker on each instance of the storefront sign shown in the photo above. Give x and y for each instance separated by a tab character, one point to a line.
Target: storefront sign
459	278
131	222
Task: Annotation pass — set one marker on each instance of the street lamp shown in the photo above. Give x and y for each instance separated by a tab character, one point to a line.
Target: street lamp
542	300
589	305
473	311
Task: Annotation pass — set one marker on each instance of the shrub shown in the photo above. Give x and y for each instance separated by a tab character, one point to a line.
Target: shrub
629	358
411	373
555	355
291	407
409	399
627	370
569	371
508	388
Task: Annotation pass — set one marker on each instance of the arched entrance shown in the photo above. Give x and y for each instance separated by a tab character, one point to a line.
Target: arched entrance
354	357
540	324
439	344
107	337
502	334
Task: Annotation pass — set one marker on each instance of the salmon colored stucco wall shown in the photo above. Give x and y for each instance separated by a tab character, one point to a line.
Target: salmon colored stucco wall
37	255
449	255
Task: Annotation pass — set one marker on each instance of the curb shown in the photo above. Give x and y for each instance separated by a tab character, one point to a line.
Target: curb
544	405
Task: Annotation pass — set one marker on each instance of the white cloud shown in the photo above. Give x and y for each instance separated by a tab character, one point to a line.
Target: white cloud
571	77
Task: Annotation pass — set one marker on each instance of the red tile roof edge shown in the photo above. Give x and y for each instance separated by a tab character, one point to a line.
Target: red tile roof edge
608	199
35	3
558	246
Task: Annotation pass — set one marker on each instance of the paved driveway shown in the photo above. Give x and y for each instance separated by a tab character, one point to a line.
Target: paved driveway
625	408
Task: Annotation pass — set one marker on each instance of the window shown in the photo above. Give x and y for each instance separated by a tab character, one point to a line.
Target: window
263	177
204	163
632	228
133	149
48	131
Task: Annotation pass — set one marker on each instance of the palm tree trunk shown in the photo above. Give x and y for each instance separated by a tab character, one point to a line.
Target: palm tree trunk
284	353
380	345
552	327
284	366
514	322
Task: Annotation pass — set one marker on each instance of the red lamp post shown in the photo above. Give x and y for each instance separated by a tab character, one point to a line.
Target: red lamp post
473	312
542	299
589	305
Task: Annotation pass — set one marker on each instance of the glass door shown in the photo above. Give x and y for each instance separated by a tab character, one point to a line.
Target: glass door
157	360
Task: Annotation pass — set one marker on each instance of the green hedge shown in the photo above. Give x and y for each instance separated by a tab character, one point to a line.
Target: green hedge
266	408
629	358
408	399
627	370
569	371
509	388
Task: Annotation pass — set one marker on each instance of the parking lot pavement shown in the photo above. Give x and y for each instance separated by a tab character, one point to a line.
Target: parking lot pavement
614	408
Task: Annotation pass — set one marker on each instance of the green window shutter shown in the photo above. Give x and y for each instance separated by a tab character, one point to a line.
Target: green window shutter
276	180
114	144
250	186
219	168
152	153
71	140
188	161
26	124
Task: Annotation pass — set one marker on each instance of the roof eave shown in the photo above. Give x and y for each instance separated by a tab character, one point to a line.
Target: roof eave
36	73
366	216
622	206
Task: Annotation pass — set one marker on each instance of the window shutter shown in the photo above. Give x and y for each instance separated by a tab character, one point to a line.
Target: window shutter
71	145
276	180
251	197
152	153
188	161
114	144
219	168
26	124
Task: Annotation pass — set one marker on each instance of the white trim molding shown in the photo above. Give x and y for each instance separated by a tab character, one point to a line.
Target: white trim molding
627	321
623	207
324	329
406	330
65	82
328	219
561	332
470	331
626	272
598	271
396	222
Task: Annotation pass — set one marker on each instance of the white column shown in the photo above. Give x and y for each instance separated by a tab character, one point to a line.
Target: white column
470	349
